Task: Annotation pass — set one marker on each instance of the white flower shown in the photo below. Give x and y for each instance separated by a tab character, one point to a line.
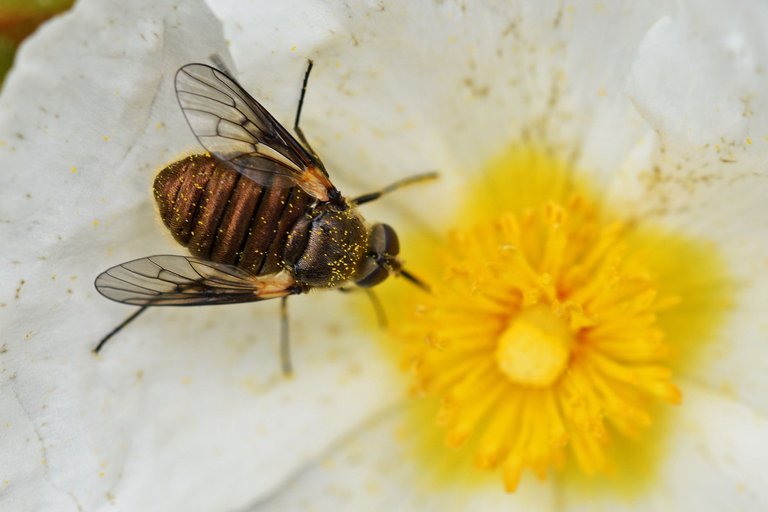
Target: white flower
662	106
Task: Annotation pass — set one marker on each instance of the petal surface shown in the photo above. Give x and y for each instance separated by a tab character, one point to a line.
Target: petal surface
713	460
699	82
372	469
182	399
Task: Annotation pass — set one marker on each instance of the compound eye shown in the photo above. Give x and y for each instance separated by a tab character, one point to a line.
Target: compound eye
372	273
384	240
391	243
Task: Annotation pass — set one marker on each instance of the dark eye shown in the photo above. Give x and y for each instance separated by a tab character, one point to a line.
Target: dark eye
372	274
391	243
384	240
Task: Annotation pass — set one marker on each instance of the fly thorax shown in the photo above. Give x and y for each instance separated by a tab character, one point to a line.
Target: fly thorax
325	249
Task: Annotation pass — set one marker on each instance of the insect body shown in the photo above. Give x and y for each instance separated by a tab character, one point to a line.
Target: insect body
259	214
223	217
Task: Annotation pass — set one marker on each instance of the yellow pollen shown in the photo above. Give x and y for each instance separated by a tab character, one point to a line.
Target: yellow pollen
543	338
553	326
534	349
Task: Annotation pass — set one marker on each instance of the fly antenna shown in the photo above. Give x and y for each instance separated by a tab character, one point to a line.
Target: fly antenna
415	280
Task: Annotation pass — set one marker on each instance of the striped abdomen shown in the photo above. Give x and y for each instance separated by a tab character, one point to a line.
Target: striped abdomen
222	216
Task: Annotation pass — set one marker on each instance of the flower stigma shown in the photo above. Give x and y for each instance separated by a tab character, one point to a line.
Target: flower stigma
534	349
554	324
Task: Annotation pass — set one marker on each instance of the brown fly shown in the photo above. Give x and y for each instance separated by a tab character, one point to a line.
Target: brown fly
259	214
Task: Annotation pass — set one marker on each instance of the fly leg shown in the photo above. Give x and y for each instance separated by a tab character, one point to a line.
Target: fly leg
296	126
285	340
378	307
118	328
411	180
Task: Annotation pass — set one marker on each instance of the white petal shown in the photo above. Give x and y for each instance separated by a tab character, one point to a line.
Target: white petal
421	86
371	469
700	82
403	89
714	460
699	78
186	409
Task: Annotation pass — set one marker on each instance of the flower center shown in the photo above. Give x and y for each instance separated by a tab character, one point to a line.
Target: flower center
547	339
534	349
543	339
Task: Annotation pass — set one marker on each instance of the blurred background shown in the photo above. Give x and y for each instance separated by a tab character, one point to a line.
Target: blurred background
19	19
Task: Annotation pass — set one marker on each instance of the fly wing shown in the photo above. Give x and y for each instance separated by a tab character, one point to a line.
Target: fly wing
186	281
235	128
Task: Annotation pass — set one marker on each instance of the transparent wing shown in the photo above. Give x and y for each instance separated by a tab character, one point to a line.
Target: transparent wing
235	128
186	281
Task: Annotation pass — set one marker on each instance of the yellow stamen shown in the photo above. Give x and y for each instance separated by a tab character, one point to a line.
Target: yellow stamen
549	336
